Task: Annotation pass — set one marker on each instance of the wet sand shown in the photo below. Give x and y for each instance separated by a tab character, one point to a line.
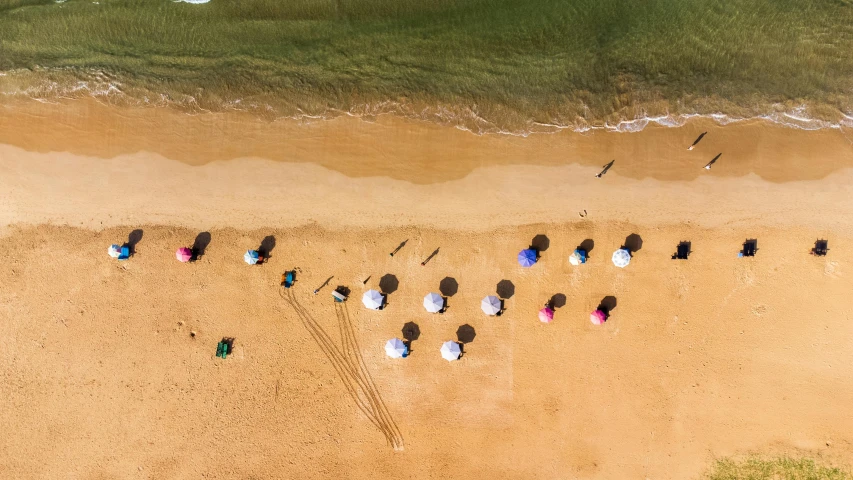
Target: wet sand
421	152
713	357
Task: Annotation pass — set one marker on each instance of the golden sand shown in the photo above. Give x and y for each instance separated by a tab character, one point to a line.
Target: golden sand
711	357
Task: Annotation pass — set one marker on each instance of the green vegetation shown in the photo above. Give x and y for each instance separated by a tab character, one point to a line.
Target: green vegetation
784	468
547	60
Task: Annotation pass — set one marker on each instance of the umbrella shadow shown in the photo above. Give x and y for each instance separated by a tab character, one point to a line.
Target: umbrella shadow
411	332
388	284
633	243
448	287
607	305
465	334
505	289
587	246
557	301
202	240
267	246
132	239
540	243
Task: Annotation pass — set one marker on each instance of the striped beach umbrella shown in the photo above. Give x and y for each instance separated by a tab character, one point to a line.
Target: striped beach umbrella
114	251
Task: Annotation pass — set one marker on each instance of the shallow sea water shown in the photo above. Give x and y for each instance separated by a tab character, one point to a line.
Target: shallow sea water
483	65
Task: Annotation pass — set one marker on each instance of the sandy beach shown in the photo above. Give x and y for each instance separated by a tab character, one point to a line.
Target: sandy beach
713	357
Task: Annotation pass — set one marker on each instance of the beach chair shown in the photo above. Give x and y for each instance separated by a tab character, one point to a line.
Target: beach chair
749	248
682	251
820	248
287	278
222	350
339	295
124	254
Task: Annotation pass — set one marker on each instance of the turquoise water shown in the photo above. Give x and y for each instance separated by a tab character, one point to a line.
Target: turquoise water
487	65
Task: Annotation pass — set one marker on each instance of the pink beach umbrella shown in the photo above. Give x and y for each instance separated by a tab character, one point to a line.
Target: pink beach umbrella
546	315
184	254
598	317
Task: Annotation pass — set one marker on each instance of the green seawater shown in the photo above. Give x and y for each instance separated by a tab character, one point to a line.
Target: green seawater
483	64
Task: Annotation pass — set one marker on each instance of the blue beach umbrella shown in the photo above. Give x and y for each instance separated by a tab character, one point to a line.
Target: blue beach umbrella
251	257
526	258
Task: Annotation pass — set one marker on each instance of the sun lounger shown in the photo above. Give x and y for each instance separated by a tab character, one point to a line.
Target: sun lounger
682	251
749	248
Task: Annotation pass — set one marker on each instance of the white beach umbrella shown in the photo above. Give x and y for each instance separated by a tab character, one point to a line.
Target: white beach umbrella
395	348
372	299
114	251
433	303
491	305
450	351
621	258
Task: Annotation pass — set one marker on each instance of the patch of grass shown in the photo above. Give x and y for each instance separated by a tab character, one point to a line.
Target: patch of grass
784	468
540	59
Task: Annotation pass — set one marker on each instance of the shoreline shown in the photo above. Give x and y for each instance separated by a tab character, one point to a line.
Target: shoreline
358	147
86	164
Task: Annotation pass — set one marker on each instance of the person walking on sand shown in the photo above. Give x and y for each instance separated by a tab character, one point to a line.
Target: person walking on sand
697	141
606	168
708	166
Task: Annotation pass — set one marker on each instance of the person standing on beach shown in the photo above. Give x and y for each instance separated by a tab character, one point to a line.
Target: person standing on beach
697	140
606	168
708	166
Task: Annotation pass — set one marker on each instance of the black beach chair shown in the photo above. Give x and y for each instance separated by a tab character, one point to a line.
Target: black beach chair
820	248
749	248
682	251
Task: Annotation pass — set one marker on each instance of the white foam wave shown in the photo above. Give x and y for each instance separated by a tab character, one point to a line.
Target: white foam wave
101	85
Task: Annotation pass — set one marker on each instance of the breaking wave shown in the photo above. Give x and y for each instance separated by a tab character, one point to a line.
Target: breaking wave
53	85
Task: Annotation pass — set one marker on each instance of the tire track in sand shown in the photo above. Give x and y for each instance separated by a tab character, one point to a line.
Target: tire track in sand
350	367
